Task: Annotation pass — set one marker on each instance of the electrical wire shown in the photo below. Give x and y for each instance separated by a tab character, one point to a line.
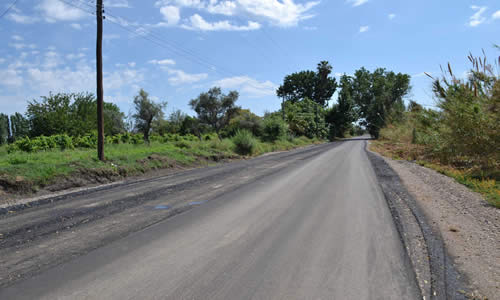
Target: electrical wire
9	8
148	35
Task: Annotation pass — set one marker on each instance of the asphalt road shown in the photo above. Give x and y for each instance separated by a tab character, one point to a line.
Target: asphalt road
319	228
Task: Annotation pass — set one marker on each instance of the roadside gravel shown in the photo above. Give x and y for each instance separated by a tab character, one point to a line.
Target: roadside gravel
469	226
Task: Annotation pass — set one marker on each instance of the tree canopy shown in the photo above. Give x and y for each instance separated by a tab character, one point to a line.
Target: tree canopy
215	108
146	112
317	86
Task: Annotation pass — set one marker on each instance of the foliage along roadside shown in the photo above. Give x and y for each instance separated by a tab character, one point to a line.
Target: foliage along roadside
27	172
461	140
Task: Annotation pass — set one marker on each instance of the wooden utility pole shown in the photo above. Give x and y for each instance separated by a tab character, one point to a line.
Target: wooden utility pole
100	90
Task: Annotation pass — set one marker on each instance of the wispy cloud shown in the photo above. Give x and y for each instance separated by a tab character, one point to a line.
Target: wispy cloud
55	10
196	22
117	3
248	85
22	19
357	2
391	16
364	29
180	77
477	18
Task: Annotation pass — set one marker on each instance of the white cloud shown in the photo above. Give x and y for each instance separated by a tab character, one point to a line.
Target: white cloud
392	16
22	19
11	77
16	37
171	14
116	3
163	62
55	10
477	18
2	60
196	22
357	2
496	15
180	77
284	13
248	85
364	29
20	46
76	26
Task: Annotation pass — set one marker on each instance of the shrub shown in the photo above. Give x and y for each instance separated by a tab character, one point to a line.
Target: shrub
244	142
274	129
182	144
63	141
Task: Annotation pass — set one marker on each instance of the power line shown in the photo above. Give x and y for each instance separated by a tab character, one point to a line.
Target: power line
161	42
9	8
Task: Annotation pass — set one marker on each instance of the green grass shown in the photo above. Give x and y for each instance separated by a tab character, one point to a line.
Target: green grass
39	169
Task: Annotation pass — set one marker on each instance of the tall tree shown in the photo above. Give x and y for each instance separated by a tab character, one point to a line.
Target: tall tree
325	85
317	86
19	126
146	111
4	129
379	96
215	108
342	114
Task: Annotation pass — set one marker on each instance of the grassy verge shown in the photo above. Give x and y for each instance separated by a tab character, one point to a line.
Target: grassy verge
486	184
24	172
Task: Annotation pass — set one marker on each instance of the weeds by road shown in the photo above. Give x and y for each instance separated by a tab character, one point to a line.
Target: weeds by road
23	172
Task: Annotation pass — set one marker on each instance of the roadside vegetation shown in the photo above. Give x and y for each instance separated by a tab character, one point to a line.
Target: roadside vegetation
461	138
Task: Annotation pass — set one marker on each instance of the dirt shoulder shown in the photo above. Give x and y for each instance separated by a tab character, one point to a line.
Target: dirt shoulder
470	228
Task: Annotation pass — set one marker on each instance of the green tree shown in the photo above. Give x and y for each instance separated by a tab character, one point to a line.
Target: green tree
51	115
146	111
306	118
379	97
244	119
215	108
325	85
341	116
113	119
4	129
317	86
191	125
19	126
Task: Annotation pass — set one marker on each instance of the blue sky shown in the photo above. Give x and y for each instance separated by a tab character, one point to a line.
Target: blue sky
175	49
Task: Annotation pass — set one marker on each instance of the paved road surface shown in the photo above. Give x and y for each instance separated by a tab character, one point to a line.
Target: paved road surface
319	229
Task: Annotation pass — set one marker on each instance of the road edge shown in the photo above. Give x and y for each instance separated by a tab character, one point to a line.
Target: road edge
443	280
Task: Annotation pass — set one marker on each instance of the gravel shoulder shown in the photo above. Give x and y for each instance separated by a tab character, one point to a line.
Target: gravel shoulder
470	228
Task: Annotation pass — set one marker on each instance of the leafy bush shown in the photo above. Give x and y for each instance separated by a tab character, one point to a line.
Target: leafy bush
274	129
470	115
183	144
244	142
63	141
